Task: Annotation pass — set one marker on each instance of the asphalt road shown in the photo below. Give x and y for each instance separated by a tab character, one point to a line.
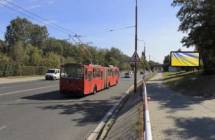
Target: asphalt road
35	111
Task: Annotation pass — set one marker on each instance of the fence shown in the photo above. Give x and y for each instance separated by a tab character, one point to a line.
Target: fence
20	70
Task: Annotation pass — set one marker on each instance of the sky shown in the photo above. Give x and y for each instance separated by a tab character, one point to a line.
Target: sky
93	20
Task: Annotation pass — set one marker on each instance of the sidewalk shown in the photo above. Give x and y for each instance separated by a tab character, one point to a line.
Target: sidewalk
178	117
8	80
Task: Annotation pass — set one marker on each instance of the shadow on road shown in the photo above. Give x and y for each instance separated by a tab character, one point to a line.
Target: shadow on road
194	128
88	111
170	99
53	95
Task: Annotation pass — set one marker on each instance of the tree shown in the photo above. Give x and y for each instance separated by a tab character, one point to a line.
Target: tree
51	60
4	59
53	45
21	29
33	55
17	52
198	20
166	63
39	35
152	64
2	46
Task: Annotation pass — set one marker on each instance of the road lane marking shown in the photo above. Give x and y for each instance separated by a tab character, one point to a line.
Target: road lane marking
3	127
3	87
19	91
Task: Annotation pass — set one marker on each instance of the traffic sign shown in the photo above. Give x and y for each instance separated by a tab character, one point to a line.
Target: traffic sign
135	57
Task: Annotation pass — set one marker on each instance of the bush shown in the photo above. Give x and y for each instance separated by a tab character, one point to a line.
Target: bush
19	70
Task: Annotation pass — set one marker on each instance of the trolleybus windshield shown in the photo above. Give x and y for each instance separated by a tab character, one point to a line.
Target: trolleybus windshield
72	72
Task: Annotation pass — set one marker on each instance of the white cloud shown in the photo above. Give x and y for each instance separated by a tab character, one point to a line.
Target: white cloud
5	2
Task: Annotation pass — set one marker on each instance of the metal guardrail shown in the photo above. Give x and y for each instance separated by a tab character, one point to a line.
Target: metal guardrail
148	131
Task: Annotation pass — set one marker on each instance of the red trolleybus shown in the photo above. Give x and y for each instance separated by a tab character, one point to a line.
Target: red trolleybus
78	79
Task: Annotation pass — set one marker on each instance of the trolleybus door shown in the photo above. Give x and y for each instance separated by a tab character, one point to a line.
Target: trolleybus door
88	81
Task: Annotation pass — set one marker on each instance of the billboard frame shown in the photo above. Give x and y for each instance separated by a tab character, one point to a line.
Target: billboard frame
185	52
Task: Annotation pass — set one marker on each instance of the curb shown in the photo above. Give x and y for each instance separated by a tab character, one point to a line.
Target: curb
104	126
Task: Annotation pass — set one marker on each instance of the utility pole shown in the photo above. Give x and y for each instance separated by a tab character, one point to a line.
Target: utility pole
136	39
145	51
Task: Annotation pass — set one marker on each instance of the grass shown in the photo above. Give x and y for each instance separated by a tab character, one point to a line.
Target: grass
191	83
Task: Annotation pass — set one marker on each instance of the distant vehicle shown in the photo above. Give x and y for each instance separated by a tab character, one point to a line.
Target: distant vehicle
131	73
81	80
52	74
127	75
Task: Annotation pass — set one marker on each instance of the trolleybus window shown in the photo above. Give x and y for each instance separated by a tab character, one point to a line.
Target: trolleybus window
73	72
89	75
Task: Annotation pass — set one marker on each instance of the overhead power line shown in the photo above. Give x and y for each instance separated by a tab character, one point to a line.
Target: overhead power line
121	28
71	34
36	17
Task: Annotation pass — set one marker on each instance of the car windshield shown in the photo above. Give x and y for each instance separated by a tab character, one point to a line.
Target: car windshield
72	72
51	71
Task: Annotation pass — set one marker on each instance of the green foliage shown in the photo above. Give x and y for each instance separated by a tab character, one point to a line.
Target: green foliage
18	70
2	46
4	59
21	29
27	50
51	60
33	55
53	45
166	63
152	64
198	20
17	52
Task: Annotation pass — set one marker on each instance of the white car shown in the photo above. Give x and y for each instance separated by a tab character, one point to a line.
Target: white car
127	75
131	73
52	74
